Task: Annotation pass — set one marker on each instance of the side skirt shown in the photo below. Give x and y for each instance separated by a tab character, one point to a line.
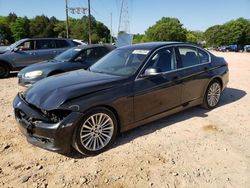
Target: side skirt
162	115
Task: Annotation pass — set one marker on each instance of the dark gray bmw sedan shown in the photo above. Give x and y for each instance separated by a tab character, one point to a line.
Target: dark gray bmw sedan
130	86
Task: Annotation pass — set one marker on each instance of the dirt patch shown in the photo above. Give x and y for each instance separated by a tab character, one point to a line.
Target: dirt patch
211	128
173	152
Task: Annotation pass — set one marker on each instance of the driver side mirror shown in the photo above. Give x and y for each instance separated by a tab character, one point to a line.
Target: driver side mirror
151	72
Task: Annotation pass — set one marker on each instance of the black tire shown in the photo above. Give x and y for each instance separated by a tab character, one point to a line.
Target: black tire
78	142
207	102
4	71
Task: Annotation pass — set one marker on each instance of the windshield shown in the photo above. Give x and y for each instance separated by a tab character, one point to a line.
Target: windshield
120	62
68	55
12	46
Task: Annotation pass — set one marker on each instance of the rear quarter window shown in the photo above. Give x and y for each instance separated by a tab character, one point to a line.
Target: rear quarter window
45	44
204	57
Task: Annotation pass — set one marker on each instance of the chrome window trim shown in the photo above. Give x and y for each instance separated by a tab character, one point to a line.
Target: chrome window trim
177	69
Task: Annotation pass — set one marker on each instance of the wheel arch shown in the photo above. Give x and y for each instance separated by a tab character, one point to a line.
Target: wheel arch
6	63
218	78
109	107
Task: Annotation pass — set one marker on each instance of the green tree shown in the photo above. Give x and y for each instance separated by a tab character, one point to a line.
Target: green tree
79	30
232	32
215	36
138	38
60	29
11	17
236	31
5	32
42	26
102	32
166	29
191	38
20	28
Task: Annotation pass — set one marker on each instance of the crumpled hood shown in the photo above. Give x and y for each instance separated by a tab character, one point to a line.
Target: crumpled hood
51	92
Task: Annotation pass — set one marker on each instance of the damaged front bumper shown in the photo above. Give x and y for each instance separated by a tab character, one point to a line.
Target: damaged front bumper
40	131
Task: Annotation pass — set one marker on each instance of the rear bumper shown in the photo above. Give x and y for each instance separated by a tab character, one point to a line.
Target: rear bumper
40	132
225	79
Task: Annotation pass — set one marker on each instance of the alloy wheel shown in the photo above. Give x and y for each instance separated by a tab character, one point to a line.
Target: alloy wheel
96	132
213	95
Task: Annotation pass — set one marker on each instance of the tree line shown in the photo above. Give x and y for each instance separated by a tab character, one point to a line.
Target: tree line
13	28
171	29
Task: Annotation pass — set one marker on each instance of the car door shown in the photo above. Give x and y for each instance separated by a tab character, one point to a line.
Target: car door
194	69
45	49
161	92
24	54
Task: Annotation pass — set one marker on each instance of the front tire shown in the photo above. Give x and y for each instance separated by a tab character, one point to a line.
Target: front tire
212	95
95	132
4	71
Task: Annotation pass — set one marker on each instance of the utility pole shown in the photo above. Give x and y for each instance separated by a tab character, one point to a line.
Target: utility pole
111	28
67	19
89	22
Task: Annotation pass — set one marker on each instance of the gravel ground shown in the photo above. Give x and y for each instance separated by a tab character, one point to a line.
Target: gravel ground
194	148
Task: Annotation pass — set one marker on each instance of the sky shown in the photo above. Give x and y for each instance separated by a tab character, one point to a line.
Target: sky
193	14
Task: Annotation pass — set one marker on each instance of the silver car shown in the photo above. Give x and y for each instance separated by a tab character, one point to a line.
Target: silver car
29	51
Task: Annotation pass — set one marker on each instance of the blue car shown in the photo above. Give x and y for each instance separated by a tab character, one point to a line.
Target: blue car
80	57
29	51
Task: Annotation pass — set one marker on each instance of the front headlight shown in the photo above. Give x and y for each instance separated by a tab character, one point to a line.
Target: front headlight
33	74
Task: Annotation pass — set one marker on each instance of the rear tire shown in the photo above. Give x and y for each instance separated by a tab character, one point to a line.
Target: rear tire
212	95
4	71
95	132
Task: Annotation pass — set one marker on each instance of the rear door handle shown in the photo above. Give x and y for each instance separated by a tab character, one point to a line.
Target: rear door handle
206	69
175	77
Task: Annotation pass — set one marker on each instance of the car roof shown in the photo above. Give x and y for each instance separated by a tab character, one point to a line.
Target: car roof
38	38
94	46
150	45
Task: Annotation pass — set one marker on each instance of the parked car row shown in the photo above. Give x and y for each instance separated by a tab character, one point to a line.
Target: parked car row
128	87
231	48
80	57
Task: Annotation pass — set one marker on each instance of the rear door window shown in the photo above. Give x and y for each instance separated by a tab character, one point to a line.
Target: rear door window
45	44
164	60
189	56
61	44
